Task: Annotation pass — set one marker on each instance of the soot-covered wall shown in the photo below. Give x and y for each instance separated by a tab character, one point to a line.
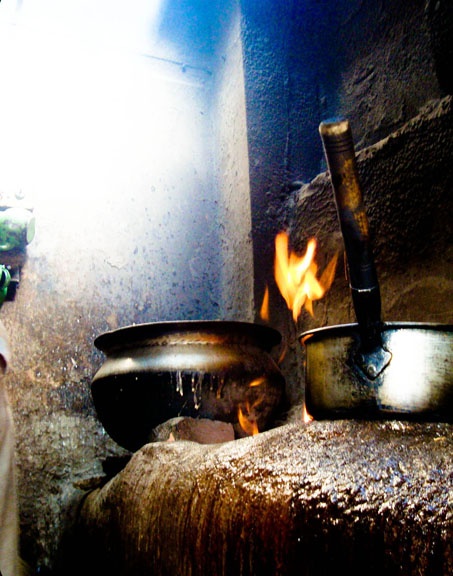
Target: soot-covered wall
378	64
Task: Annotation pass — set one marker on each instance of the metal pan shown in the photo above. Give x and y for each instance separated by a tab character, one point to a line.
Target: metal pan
372	369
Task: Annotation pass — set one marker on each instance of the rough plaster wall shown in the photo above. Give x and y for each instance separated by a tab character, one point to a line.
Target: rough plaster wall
266	28
407	182
265	49
236	272
386	63
116	153
94	266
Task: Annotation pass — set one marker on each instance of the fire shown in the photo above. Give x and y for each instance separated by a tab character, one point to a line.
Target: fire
264	312
257	382
300	285
246	414
306	417
247	421
296	276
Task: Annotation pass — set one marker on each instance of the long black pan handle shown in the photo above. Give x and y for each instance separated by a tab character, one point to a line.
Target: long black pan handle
340	155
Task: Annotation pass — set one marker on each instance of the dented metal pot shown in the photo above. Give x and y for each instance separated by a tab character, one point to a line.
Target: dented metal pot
410	375
207	369
372	369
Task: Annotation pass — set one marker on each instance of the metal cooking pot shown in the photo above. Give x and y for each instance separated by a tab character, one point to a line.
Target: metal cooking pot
372	369
417	380
207	369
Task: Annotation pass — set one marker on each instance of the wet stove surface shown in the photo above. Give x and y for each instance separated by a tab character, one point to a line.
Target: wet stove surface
365	497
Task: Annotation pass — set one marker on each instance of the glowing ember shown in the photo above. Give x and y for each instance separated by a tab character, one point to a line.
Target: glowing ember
296	276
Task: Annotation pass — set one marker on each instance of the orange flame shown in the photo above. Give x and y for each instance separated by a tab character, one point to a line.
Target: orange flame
296	276
264	312
247	421
247	417
257	382
306	417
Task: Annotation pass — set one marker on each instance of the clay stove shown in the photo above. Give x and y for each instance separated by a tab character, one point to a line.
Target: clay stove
308	499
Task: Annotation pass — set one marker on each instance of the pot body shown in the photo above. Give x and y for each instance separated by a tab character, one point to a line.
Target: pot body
207	369
411	377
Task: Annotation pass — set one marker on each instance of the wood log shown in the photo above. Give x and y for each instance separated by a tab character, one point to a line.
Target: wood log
302	499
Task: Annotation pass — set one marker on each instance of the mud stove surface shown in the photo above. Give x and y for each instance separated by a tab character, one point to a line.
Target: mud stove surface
360	497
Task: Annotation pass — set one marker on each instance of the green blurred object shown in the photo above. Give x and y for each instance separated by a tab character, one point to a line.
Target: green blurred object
17	228
5	279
